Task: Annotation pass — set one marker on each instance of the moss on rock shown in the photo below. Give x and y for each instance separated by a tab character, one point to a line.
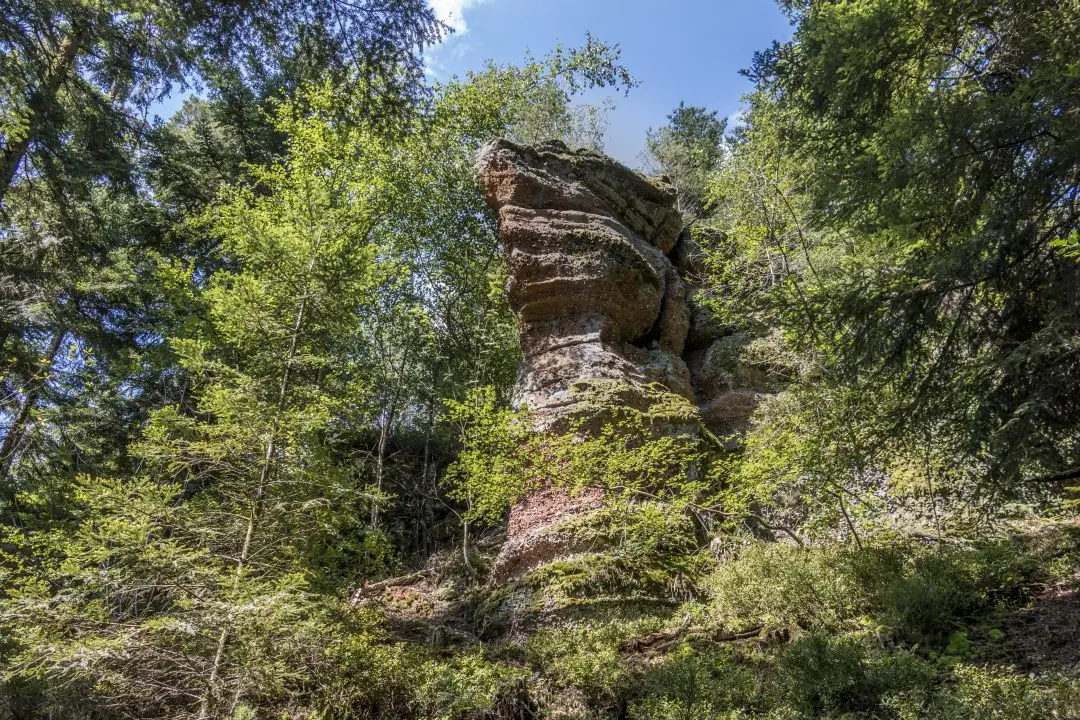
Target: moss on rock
600	401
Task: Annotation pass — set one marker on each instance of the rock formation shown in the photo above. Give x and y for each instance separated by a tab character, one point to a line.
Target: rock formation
594	291
598	267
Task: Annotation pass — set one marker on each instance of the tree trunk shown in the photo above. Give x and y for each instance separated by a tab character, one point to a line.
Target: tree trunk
420	538
59	69
384	433
255	512
14	435
380	457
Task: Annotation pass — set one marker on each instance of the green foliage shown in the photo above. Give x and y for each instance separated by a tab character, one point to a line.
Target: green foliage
251	355
846	608
787	586
690	684
806	458
922	593
822	676
93	195
586	657
688	150
502	458
988	692
216	552
894	204
755	264
637	551
323	282
468	683
86	606
488	473
531	102
890	631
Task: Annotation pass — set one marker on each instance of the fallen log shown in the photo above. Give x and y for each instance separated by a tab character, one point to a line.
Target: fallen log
664	640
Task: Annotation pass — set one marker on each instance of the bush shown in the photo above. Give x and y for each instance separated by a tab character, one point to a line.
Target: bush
914	592
695	685
818	674
775	584
991	693
468	683
586	656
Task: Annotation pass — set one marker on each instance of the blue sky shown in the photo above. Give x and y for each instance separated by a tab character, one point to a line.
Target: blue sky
688	50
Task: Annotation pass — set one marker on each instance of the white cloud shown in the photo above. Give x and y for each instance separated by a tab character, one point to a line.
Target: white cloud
737	118
452	12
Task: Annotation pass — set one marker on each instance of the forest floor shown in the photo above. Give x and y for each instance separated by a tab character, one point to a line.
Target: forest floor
901	628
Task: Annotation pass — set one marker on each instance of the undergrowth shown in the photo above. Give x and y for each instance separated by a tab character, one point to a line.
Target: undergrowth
900	629
896	630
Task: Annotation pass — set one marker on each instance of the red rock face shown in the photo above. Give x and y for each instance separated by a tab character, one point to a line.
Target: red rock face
548	506
598	262
590	281
532	538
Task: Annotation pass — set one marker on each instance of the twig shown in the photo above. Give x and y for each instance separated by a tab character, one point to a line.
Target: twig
371	588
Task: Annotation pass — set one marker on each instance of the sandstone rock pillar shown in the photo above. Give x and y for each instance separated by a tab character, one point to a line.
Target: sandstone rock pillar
602	309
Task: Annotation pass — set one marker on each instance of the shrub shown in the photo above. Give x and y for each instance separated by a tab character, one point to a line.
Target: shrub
818	674
813	589
918	593
690	684
586	656
467	683
991	693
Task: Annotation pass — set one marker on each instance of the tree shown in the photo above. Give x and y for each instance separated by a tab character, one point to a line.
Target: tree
90	212
447	328
923	184
274	367
70	57
349	287
687	150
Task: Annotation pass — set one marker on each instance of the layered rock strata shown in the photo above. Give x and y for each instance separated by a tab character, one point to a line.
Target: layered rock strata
590	281
601	278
